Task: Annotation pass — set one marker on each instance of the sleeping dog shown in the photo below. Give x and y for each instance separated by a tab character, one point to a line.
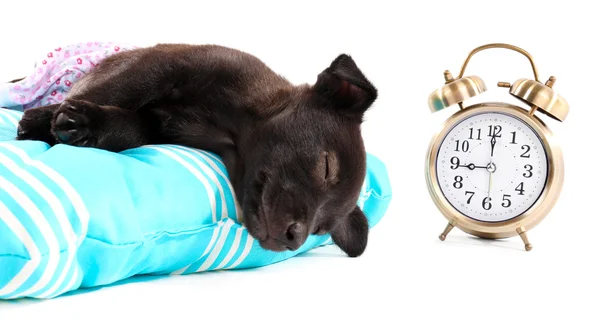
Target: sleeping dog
294	153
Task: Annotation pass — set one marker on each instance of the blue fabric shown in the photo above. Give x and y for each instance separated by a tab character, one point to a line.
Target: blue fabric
80	217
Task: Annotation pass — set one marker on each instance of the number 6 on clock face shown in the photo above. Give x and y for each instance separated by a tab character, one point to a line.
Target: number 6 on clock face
491	167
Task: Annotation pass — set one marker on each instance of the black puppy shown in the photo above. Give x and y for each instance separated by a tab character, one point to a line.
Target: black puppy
294	154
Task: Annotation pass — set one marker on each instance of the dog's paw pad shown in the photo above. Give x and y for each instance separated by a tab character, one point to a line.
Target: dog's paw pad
71	123
64	132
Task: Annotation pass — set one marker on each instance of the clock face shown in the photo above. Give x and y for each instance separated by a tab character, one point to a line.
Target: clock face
492	167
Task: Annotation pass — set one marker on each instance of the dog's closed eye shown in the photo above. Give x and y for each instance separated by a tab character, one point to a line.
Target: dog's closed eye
326	171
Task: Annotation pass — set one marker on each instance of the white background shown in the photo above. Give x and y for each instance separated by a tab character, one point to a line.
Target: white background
407	276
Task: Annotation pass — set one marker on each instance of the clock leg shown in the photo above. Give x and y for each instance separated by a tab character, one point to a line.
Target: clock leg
523	235
447	230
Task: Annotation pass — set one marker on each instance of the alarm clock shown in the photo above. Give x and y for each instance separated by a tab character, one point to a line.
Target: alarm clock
494	170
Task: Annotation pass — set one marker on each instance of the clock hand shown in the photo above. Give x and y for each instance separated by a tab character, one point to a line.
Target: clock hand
490	184
491	168
493	142
472	166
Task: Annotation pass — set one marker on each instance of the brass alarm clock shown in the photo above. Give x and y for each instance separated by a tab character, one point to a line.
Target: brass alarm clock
494	170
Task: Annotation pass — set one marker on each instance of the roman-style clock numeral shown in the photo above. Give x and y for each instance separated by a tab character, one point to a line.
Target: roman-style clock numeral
520	189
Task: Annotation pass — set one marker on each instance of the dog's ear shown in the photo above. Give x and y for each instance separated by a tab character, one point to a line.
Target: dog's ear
352	233
345	87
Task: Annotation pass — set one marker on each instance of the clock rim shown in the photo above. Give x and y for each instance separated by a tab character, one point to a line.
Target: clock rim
529	218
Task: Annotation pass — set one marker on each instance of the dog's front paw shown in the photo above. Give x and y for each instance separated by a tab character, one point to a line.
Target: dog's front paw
73	124
35	125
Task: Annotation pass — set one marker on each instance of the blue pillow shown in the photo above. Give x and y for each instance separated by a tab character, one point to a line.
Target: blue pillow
80	217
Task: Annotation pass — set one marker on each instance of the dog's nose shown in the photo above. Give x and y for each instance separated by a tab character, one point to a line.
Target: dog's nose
293	237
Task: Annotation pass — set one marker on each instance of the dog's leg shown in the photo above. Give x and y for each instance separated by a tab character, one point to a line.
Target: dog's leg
83	123
36	123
